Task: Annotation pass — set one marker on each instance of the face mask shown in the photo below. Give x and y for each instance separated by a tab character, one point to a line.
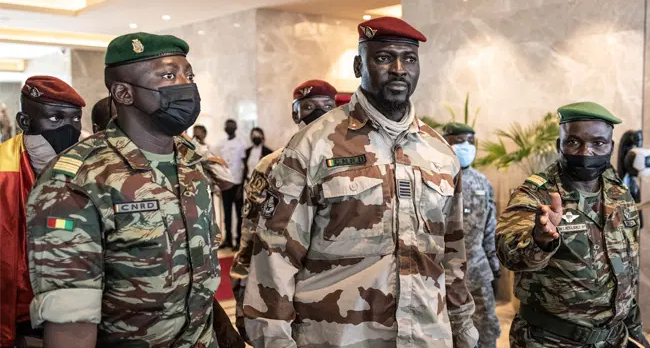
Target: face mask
466	153
230	131
257	141
585	168
313	116
180	105
61	138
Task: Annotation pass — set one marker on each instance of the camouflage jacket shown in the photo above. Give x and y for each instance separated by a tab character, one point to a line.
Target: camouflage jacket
360	241
590	276
110	244
254	196
479	223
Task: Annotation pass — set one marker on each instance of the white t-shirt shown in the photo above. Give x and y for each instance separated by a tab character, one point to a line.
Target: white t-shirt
233	151
254	159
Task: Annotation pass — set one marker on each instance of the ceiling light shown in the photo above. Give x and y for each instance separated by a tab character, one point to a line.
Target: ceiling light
201	32
237	25
133	26
366	17
166	17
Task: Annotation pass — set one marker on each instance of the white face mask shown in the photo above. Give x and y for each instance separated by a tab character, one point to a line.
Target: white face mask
466	153
39	150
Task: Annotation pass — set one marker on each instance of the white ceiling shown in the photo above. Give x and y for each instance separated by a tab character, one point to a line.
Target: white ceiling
26	51
114	16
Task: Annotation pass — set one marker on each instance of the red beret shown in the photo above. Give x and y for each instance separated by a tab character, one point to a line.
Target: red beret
389	29
313	88
342	99
49	89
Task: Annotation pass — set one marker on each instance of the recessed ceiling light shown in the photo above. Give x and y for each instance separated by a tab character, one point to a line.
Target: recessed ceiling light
237	25
166	17
366	17
133	26
201	32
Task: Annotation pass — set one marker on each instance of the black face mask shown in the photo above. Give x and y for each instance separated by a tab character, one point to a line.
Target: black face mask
180	105
314	116
585	168
257	141
230	131
61	138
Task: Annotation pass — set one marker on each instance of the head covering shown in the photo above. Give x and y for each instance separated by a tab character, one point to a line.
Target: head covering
49	89
586	111
456	128
389	29
137	47
342	99
314	88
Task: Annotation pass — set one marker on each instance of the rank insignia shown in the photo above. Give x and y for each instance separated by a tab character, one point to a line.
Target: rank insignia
346	161
369	32
569	217
138	47
269	206
34	92
305	91
67	165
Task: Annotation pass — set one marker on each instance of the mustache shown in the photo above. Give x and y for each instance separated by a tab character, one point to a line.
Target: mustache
397	79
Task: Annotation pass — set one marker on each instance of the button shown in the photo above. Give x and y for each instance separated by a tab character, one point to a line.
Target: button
596	247
278	184
188	193
354	186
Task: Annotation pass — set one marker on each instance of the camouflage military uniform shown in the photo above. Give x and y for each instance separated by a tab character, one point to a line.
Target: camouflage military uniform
360	241
585	282
112	242
254	196
479	222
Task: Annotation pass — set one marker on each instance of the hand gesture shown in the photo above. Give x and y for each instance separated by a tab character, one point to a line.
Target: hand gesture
546	221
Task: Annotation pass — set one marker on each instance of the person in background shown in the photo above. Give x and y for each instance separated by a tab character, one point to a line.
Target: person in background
233	151
571	235
5	123
479	224
256	152
360	239
199	139
103	112
311	100
50	119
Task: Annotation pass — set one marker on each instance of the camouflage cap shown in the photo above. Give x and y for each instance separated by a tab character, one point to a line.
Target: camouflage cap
137	47
455	128
586	111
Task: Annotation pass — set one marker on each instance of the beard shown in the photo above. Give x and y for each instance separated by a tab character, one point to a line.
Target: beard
395	102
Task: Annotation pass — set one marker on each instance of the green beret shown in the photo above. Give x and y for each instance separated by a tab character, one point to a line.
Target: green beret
586	111
456	128
136	47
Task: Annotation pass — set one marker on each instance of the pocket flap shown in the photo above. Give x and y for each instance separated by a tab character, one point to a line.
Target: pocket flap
442	183
345	186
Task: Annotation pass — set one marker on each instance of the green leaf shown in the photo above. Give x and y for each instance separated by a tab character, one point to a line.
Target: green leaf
467	108
432	123
451	111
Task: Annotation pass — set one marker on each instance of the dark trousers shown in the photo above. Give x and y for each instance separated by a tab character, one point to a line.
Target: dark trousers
230	197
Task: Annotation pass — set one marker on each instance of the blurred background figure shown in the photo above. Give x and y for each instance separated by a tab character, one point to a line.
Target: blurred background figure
5	123
256	152
199	139
630	140
102	113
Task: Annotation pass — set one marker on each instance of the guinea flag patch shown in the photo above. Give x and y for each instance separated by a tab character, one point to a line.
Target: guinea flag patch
60	224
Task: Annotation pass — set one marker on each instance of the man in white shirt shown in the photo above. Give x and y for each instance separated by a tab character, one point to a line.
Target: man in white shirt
233	151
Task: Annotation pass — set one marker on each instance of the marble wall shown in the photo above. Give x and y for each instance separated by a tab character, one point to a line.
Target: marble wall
87	78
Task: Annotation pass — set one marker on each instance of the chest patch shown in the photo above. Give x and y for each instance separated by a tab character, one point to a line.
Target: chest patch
572	228
569	217
346	161
404	188
136	207
478	193
269	206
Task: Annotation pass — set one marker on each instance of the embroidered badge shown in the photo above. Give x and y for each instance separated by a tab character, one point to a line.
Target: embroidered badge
404	188
136	207
537	180
247	209
67	165
305	91
467	211
479	193
572	228
369	32
346	161
60	224
257	183
269	206
138	47
569	217
34	92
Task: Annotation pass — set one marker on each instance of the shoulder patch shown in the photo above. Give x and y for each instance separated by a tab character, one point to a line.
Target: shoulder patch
537	180
69	162
67	165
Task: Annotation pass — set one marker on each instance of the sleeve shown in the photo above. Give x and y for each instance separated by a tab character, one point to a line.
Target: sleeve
515	245
65	254
279	247
460	304
488	232
633	321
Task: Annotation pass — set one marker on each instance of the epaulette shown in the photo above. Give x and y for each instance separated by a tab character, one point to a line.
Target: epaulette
71	160
187	143
537	180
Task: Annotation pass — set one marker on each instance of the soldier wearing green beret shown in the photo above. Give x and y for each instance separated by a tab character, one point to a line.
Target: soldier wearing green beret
571	235
122	240
479	224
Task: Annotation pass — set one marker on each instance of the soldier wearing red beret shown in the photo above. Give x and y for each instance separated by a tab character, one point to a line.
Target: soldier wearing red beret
311	100
50	118
360	237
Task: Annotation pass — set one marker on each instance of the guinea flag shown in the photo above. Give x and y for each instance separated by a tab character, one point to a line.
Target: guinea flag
16	180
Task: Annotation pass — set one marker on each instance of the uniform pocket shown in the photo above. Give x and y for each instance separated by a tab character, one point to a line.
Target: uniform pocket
437	192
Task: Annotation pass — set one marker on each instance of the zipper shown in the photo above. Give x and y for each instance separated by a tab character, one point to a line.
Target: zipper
170	250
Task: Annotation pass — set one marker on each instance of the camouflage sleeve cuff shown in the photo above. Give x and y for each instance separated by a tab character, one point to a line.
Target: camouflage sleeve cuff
67	306
537	257
466	339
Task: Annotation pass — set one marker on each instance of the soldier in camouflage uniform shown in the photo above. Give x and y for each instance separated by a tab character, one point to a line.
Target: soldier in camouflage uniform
479	222
360	239
311	100
571	235
122	244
